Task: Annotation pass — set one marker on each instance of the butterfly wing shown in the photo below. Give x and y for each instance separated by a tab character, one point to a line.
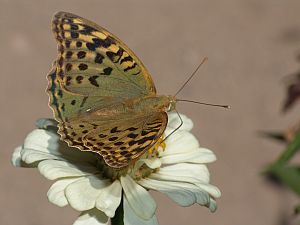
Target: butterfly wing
93	62
118	141
94	69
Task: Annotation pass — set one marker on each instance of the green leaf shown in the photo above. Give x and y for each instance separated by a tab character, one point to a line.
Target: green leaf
288	175
290	151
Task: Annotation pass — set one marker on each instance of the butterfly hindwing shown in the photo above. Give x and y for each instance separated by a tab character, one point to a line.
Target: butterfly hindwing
118	141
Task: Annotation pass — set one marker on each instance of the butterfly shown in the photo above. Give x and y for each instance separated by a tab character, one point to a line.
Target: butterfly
102	95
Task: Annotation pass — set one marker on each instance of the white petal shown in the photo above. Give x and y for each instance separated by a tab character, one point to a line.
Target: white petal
109	198
152	163
18	161
179	195
45	123
212	205
43	141
139	199
201	155
174	122
16	157
45	144
92	217
54	169
83	193
184	172
30	156
181	142
184	194
130	218
210	189
56	193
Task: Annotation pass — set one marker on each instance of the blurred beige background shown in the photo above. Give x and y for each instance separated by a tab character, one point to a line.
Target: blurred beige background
251	46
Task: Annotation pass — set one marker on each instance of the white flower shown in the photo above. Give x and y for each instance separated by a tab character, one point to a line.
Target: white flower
179	171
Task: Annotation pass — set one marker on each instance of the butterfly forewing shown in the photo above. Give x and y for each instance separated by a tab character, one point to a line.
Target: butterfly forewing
67	105
92	61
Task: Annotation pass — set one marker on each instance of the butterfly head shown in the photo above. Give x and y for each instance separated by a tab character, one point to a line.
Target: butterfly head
172	103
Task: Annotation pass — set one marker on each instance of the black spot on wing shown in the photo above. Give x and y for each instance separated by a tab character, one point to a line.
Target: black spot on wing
69	54
130	67
82	66
78	44
132	128
83	101
115	57
87	30
99	58
79	79
119	143
103	43
100	143
81	54
74	26
102	135
126	59
93	80
107	71
132	135
67	43
91	46
60	61
68	66
113	138
68	80
74	34
97	42
114	130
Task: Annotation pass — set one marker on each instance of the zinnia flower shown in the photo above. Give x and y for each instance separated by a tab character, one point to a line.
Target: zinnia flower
176	168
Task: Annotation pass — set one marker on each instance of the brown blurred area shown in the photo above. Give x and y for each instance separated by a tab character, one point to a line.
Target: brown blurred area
251	45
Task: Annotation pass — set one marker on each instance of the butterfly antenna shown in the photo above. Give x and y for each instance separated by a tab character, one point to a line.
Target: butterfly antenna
181	123
203	103
193	74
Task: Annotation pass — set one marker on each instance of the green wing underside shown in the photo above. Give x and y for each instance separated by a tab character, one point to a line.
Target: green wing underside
67	105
